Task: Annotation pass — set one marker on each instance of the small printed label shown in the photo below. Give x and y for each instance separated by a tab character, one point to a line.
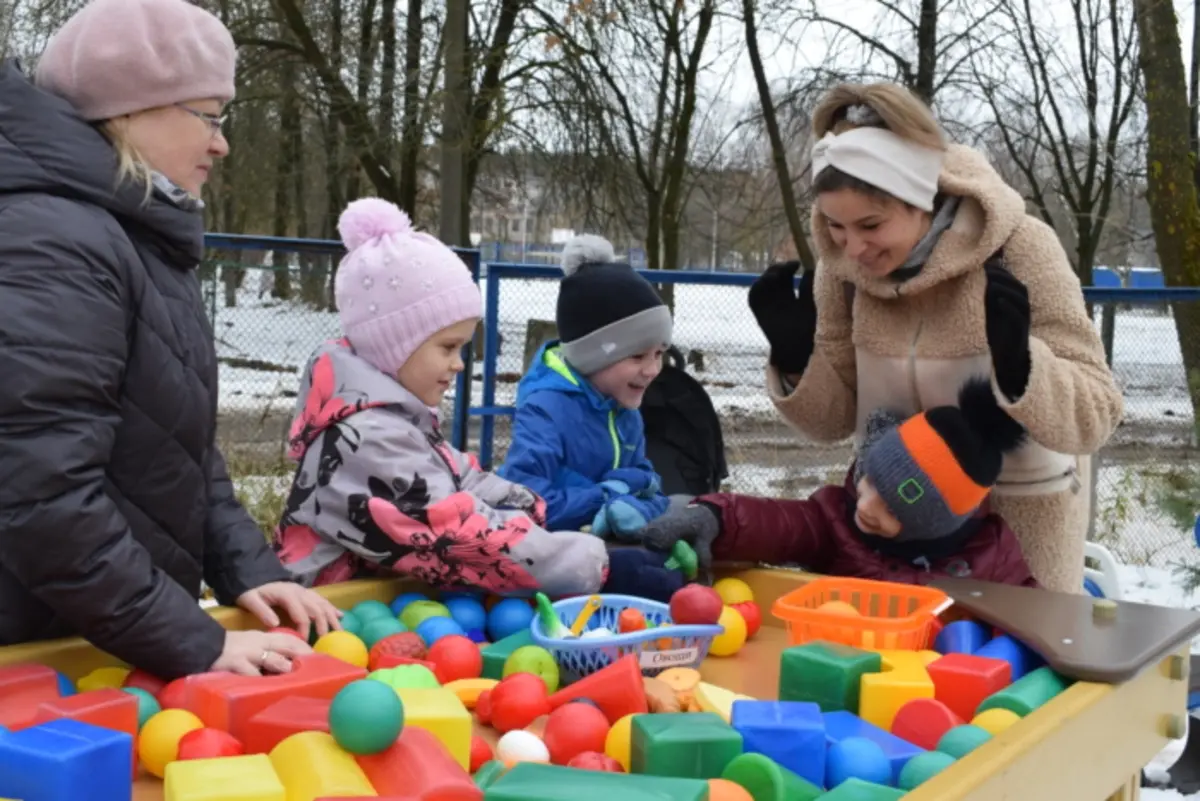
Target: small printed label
662	659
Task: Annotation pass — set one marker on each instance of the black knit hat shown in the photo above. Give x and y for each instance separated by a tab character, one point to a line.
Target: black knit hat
606	311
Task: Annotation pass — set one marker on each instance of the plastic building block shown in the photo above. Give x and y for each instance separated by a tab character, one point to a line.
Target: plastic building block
840	725
859	790
495	654
904	678
857	758
53	761
718	700
311	765
229	703
827	674
440	712
922	768
792	733
1027	693
417	765
488	773
1021	657
767	781
617	689
239	778
23	688
961	637
962	681
691	745
533	782
923	721
962	740
107	708
281	720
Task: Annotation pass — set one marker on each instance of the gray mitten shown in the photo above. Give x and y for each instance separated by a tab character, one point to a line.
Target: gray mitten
697	525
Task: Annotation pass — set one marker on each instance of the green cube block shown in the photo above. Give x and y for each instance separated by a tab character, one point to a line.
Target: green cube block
692	745
858	790
825	673
1026	693
528	781
495	654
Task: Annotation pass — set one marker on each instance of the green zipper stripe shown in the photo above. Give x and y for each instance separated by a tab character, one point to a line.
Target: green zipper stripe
612	430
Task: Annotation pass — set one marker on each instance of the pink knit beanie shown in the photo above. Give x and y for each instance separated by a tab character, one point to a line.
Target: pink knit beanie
397	287
117	57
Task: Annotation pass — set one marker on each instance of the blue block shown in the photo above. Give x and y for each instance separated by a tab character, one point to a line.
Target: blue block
57	760
1019	656
841	724
792	733
961	637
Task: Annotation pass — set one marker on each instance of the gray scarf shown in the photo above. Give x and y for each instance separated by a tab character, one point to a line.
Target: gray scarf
943	218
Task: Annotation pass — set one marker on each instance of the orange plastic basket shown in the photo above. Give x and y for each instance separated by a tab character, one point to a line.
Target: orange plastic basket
889	616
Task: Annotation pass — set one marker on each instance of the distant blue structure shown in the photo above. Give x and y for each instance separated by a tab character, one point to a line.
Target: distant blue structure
1106	278
1146	279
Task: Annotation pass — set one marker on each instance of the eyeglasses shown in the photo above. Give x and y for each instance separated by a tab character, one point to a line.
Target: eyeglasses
214	122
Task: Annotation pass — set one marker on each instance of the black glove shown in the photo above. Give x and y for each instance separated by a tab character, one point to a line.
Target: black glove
1006	305
788	319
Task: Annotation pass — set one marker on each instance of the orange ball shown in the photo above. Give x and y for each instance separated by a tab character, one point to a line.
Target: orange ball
838	608
725	790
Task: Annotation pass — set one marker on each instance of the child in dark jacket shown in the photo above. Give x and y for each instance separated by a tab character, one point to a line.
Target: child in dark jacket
578	439
913	507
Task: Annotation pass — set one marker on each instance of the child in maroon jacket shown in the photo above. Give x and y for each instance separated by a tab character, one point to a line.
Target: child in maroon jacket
913	507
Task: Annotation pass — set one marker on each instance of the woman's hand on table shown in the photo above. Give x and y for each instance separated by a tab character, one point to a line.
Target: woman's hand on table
254	653
304	606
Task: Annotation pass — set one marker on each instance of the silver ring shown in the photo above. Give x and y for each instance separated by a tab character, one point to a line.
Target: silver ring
263	660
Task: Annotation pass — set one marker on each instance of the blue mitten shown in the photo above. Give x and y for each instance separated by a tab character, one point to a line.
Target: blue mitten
622	518
642	483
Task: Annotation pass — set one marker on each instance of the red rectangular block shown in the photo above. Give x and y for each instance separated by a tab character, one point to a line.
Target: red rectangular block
418	766
24	688
282	719
231	703
108	708
962	681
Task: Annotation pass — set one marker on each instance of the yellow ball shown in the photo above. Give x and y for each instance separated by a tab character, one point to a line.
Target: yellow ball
994	721
733	638
158	741
344	646
620	740
102	679
838	608
733	591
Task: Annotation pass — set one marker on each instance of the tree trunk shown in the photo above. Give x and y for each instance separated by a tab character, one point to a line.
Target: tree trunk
286	158
455	222
410	130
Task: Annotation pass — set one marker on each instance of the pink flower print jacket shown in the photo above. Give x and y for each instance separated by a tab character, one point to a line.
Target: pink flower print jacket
379	487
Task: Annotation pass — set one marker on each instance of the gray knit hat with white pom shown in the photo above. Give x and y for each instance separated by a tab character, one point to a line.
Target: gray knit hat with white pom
606	311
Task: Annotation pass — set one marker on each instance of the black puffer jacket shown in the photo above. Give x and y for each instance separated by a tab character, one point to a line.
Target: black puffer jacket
114	500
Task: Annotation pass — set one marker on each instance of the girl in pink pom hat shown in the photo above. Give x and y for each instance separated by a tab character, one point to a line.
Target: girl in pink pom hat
378	487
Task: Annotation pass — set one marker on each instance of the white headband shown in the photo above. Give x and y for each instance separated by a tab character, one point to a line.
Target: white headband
904	169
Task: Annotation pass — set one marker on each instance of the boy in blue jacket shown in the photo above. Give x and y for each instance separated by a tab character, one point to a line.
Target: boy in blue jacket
578	439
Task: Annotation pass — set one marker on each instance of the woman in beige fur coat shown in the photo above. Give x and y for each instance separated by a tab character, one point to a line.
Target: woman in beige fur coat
931	271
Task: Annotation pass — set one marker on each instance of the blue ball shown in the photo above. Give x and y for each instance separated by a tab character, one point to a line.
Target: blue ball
397	605
857	758
65	686
467	612
508	617
450	595
434	628
476	635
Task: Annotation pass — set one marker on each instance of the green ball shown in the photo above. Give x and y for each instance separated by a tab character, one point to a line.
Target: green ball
366	611
419	611
962	740
352	623
375	630
366	717
922	768
148	705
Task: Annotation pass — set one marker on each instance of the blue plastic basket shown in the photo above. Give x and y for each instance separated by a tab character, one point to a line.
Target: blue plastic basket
577	658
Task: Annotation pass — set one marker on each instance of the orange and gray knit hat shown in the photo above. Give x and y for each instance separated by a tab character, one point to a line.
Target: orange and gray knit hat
936	468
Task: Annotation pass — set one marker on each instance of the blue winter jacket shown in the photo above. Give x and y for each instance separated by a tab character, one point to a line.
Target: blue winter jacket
567	437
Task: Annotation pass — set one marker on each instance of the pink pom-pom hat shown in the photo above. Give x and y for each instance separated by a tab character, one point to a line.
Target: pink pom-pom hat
397	287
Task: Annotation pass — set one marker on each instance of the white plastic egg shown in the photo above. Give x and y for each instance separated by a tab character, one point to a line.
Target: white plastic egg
519	745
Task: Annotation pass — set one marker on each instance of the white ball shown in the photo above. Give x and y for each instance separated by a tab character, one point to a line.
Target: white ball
521	746
599	631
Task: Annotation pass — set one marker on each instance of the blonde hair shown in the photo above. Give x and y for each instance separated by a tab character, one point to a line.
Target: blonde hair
132	167
850	105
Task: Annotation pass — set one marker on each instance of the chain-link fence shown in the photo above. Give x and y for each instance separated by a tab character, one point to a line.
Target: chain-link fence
1148	485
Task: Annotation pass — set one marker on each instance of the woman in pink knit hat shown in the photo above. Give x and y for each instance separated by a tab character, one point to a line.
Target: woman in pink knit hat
115	503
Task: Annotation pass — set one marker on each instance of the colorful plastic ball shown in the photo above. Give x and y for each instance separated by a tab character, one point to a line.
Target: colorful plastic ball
733	591
148	705
344	646
435	628
158	741
733	638
209	744
351	623
467	612
619	741
366	611
65	686
922	768
508	617
456	657
725	790
451	595
401	602
387	652
375	630
477	636
520	745
962	740
481	753
418	612
366	717
593	760
573	729
856	758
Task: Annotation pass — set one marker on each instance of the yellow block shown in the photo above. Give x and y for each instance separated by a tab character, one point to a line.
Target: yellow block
903	678
312	765
718	700
102	679
440	712
237	778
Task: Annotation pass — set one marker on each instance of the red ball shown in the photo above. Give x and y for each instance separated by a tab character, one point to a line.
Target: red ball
286	630
456	657
142	680
594	760
517	701
174	694
573	729
405	645
209	744
695	604
481	752
751	614
483	708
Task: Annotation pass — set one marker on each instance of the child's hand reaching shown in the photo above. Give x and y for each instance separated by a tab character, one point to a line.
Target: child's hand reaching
642	483
872	515
621	517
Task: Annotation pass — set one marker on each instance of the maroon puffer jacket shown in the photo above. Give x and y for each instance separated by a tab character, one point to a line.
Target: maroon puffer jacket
819	534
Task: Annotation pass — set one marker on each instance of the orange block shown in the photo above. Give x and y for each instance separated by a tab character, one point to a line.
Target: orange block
230	703
282	719
418	766
963	681
108	708
24	688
